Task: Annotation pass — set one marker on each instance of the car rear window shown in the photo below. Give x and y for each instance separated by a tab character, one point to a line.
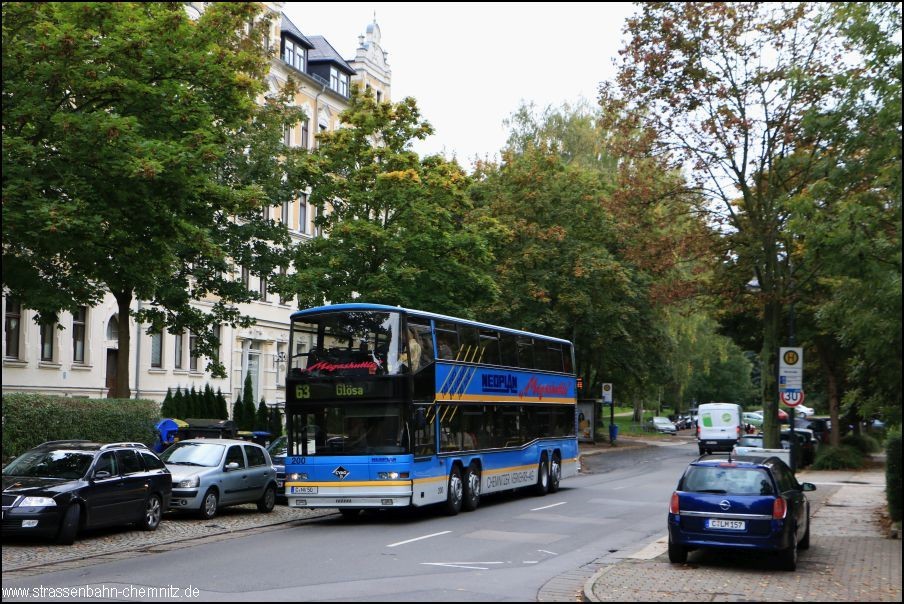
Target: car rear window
727	480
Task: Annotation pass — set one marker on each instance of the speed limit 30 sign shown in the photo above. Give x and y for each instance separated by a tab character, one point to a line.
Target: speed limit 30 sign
792	398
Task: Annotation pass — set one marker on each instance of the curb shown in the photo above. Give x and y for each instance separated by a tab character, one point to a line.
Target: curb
589	583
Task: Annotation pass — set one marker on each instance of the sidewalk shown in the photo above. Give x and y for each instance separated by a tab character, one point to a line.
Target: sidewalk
850	558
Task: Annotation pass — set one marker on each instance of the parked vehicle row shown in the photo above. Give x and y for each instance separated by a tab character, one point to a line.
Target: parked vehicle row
59	488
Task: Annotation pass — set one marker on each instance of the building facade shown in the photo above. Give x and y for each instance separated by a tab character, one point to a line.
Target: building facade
79	360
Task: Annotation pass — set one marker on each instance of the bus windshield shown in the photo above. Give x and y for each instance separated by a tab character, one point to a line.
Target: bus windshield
351	429
341	344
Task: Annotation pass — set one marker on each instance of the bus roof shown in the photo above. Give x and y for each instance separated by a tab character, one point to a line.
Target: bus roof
420	313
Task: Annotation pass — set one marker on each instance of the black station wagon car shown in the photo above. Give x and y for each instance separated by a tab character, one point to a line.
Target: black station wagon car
61	487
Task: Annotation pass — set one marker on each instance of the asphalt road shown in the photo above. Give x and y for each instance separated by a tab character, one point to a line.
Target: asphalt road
505	551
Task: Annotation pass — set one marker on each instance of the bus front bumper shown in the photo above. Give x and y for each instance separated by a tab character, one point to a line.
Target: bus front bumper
335	495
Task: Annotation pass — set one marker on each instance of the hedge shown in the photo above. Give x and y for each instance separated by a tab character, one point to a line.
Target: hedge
863	442
893	475
30	419
843	457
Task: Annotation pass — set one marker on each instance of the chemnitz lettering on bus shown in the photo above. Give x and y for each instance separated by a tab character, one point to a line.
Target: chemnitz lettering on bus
535	388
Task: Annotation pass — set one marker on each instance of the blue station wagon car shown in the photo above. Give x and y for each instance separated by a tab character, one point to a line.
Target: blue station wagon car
749	503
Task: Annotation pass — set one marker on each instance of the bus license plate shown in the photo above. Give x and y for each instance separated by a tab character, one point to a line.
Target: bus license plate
732	525
303	490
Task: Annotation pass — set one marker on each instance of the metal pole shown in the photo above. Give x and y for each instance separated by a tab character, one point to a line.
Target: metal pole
792	340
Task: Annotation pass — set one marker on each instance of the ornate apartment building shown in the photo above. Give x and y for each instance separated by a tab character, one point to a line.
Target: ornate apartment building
80	359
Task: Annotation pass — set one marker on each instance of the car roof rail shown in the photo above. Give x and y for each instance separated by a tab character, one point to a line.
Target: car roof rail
126	445
67	440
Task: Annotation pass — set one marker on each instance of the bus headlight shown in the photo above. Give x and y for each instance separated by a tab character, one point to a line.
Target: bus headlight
297	476
391	475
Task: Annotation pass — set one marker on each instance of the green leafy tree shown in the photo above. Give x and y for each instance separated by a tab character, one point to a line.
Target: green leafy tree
726	87
166	408
248	409
193	409
262	417
136	161
238	410
275	423
179	404
221	405
398	229
210	402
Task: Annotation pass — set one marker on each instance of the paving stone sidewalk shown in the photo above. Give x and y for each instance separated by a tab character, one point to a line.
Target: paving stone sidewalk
850	559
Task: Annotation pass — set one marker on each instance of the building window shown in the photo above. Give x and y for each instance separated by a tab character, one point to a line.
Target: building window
285	213
263	288
288	51
338	81
12	327
303	214
78	334
217	331
315	213
246	277
192	352
379	96
47	333
177	351
299	58
282	299
113	328
304	133
157	350
287	136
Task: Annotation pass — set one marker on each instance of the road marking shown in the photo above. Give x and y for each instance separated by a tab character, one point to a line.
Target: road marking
468	565
418	539
546	507
546	551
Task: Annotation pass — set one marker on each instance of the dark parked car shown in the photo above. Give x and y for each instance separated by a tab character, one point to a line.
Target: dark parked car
278	450
61	487
750	503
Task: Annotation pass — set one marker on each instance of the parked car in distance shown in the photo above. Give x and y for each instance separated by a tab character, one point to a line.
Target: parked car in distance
749	503
752	418
278	450
752	446
783	417
663	425
61	487
209	474
802	411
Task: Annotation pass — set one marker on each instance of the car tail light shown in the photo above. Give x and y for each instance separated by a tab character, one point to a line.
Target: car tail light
673	504
738	430
779	509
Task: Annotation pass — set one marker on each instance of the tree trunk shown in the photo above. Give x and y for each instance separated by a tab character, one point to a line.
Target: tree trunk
828	366
124	303
769	359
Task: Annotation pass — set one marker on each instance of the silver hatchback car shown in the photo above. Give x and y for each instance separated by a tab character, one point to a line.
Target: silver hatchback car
213	473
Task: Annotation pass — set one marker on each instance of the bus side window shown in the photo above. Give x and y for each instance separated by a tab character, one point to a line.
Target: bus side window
508	348
489	347
446	341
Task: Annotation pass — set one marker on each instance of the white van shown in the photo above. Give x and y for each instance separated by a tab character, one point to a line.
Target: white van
718	427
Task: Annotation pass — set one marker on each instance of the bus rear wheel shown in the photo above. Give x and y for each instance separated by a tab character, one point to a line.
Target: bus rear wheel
472	489
454	492
555	473
542	486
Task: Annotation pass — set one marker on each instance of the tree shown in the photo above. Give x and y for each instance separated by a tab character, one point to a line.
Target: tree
246	419
166	408
136	161
726	87
275	425
262	417
179	407
397	229
222	406
578	245
238	410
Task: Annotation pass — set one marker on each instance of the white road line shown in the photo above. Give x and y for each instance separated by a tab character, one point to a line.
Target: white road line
546	551
546	507
468	565
418	539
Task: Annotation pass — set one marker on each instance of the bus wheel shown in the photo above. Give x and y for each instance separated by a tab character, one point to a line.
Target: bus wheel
555	473
455	492
542	486
472	489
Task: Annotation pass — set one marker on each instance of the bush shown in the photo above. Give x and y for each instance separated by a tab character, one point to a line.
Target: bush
838	458
893	475
862	442
31	419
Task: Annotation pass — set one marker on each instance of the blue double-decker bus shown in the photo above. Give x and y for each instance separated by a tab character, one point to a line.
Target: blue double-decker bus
390	407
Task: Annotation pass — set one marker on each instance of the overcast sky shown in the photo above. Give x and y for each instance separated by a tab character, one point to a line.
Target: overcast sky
469	65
